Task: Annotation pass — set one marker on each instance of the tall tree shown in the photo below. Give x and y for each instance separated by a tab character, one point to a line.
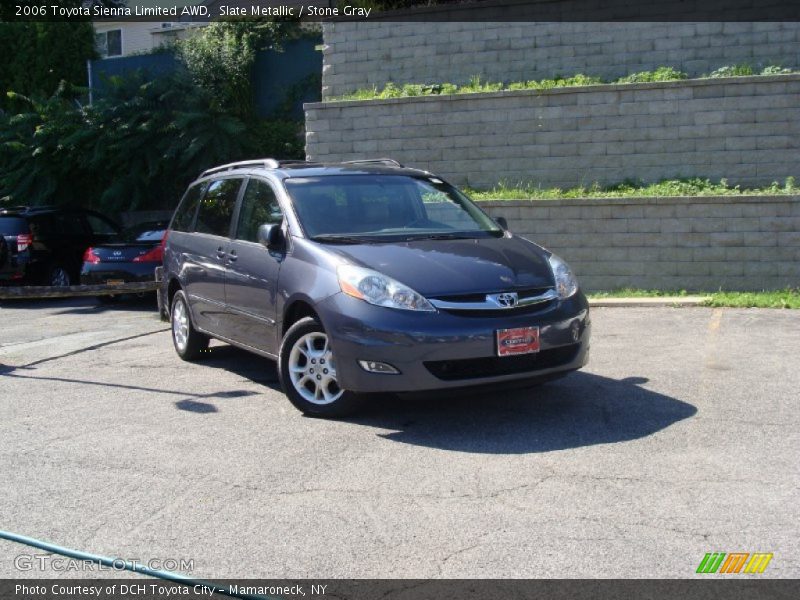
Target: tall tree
39	55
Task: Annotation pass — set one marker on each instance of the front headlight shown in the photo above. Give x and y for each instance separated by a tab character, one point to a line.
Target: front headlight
380	290
566	283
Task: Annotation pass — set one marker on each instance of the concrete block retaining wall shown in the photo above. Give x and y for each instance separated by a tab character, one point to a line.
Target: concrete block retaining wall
745	129
706	243
359	55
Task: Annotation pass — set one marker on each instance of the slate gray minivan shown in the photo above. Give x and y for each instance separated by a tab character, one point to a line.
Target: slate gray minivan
365	277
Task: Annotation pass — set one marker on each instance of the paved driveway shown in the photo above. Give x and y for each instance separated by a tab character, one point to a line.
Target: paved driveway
680	438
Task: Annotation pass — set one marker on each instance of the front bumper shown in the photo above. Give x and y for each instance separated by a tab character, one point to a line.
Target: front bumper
445	350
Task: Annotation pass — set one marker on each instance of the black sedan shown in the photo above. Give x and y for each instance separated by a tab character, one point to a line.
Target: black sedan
133	258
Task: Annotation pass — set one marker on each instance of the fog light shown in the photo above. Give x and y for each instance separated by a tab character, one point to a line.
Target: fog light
372	366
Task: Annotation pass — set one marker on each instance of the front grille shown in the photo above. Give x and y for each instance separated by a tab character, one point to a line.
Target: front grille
504	312
495	366
523	293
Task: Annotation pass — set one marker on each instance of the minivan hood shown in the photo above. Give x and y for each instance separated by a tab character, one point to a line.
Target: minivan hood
447	267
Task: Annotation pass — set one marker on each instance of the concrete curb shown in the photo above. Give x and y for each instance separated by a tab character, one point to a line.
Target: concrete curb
656	301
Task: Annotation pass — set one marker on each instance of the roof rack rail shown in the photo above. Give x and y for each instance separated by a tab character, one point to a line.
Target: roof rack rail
269	163
389	162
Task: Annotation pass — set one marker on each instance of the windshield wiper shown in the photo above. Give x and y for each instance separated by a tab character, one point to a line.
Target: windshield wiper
340	239
442	236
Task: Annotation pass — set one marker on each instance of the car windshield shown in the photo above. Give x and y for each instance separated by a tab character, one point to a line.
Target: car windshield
356	208
145	232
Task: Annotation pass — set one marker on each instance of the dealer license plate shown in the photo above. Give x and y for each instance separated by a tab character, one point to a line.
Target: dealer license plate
520	340
115	281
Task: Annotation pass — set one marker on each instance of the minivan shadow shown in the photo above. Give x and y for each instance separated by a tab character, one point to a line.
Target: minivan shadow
580	410
86	305
245	364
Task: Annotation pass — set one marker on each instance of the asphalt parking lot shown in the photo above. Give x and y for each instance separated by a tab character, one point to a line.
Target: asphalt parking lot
681	437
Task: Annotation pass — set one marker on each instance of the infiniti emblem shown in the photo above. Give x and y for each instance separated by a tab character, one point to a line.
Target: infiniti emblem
117	253
507	299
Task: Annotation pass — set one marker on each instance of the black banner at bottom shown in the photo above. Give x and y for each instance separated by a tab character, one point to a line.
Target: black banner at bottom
403	589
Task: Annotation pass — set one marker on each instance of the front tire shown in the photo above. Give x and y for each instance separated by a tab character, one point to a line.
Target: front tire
307	372
189	343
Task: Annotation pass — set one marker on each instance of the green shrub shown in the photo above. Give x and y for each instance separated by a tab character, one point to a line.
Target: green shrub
742	70
776	70
660	74
669	187
392	90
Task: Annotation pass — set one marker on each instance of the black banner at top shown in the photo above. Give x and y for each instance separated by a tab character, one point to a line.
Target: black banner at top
403	10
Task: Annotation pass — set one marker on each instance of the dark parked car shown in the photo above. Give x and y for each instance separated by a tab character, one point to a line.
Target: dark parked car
365	277
45	245
134	257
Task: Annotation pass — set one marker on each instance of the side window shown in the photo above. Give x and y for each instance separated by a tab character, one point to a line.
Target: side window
259	206
100	226
216	208
70	224
42	226
184	215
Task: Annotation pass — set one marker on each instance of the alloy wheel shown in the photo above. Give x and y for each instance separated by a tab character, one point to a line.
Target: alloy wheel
312	369
180	325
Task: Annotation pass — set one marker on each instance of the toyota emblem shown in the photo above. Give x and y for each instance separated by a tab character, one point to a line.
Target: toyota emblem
507	299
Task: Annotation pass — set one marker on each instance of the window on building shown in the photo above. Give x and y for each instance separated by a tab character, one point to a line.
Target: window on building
109	43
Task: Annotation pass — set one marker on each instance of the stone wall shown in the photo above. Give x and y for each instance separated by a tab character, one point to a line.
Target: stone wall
362	54
706	243
745	129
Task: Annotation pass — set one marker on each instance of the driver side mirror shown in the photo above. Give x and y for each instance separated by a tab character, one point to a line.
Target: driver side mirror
502	222
270	235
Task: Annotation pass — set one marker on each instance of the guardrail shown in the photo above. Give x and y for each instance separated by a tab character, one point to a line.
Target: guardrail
46	291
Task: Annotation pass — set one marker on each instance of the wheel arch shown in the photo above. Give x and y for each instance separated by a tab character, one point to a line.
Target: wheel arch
295	310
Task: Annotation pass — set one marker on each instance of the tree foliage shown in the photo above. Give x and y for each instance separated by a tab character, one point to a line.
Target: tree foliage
220	58
138	147
143	139
37	56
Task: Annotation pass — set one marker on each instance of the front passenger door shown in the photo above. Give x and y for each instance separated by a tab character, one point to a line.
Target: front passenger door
252	279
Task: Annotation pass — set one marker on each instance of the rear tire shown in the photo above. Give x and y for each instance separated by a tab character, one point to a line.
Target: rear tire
58	276
189	343
3	250
307	372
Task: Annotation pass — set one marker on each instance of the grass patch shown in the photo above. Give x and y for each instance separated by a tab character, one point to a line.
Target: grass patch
637	293
788	298
477	86
669	187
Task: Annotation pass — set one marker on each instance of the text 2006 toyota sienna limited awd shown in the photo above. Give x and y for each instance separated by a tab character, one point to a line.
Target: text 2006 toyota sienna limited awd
365	277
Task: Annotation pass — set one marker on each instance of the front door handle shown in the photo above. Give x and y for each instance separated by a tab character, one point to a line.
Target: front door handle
232	256
220	253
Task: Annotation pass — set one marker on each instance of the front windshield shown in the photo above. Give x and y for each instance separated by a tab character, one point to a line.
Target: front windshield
385	208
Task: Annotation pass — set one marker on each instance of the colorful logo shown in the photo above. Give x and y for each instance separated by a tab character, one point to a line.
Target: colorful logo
734	562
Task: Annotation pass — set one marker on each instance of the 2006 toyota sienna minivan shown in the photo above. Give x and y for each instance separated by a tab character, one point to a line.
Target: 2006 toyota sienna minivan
365	277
